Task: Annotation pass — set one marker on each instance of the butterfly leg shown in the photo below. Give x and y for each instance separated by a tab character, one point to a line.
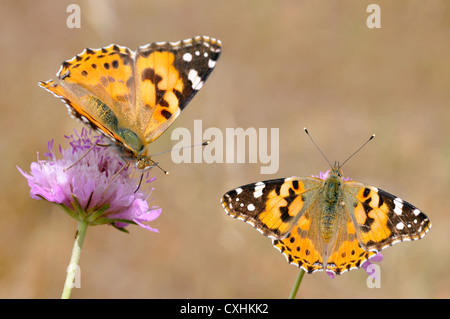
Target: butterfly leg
86	153
140	182
115	175
156	164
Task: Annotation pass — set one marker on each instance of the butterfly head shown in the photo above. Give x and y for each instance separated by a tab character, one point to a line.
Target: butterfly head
333	182
144	163
336	170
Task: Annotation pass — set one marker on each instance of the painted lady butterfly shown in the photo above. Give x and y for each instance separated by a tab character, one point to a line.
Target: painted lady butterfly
133	97
326	223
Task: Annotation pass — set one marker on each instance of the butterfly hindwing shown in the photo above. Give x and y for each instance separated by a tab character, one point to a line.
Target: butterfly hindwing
313	246
97	86
299	248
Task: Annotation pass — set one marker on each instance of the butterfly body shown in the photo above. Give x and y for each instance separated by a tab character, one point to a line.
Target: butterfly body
132	97
331	207
328	223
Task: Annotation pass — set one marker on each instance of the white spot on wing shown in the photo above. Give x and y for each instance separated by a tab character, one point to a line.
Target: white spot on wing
198	85
398	206
193	74
187	57
195	79
400	226
259	189
211	63
258	193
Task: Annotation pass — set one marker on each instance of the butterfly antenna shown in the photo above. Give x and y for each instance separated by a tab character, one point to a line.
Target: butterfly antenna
175	149
307	133
156	164
179	148
370	138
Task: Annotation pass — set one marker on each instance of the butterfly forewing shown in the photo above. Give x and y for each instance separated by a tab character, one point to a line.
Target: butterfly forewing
168	75
274	206
383	219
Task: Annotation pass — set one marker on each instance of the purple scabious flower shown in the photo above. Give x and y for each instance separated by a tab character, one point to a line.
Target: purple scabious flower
325	175
91	184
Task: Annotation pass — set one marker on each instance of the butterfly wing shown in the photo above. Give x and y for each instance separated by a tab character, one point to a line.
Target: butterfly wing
273	207
98	89
300	246
347	252
168	75
134	97
305	246
383	219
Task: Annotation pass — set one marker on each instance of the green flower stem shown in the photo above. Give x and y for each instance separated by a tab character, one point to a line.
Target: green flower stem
73	266
297	284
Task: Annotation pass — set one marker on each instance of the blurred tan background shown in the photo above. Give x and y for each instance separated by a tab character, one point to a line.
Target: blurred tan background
286	65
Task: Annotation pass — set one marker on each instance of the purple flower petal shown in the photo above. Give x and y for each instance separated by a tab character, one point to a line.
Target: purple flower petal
325	175
366	265
95	178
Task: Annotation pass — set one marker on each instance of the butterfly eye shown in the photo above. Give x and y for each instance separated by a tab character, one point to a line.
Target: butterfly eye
141	165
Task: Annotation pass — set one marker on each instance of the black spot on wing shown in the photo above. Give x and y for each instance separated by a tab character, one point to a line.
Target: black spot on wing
166	114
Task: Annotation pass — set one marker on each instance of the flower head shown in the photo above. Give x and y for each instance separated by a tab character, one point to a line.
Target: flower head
323	175
91	183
